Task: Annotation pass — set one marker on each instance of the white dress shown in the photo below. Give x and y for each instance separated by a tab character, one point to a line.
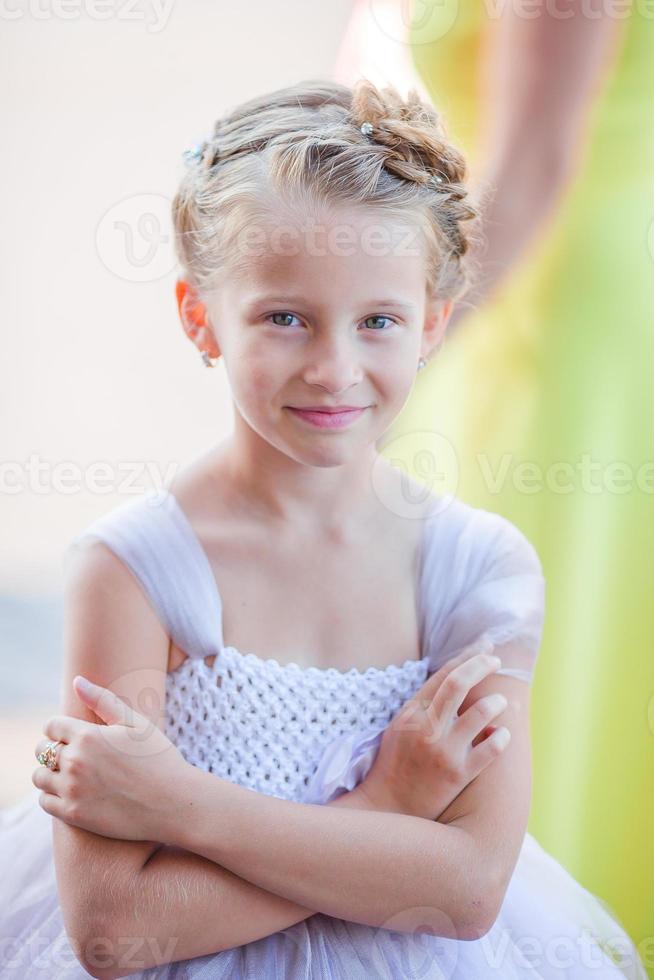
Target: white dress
307	734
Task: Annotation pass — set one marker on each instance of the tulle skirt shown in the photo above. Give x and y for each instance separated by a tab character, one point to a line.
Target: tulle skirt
549	927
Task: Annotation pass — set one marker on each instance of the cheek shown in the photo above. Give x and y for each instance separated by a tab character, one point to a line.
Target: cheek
397	379
257	381
256	375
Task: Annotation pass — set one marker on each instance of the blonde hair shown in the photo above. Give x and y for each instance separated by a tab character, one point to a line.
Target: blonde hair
304	144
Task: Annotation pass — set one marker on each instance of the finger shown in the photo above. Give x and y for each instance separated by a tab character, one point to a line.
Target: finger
59	753
454	689
107	705
63	728
487	751
41	746
488	730
47	780
410	717
481	647
52	805
43	743
475	719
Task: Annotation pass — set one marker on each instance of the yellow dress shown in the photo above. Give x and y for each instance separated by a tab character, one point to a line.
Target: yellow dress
557	373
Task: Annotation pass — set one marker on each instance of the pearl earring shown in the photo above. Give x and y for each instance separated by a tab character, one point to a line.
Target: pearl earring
422	363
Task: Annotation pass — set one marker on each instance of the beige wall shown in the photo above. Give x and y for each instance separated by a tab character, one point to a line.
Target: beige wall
94	365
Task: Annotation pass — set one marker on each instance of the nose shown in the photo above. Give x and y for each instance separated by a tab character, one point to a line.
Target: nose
333	365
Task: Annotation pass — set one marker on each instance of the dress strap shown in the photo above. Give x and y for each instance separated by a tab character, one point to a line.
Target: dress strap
481	578
153	537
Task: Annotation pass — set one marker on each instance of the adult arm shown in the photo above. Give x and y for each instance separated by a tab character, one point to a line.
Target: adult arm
541	76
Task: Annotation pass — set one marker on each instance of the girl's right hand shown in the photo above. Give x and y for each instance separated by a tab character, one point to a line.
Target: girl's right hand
429	753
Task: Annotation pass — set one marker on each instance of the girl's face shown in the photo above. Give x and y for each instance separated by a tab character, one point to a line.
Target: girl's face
330	313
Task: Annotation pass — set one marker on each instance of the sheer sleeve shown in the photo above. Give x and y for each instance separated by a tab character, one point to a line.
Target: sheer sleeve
480	577
498	591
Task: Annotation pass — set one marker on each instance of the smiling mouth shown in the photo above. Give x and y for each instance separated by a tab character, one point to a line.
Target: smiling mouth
327	408
328	418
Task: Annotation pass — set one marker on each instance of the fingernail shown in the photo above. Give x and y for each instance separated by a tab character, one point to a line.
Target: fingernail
83	683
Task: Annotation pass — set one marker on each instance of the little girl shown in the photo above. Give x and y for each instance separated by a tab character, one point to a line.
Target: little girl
290	762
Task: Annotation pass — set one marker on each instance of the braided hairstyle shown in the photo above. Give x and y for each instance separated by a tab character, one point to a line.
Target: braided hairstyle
304	144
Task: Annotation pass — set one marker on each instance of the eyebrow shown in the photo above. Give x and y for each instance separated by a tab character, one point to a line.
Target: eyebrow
386	301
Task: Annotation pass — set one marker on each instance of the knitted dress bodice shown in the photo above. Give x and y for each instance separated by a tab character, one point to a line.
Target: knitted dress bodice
284	729
266	725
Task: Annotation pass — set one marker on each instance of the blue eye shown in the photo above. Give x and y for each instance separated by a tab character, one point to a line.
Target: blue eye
280	314
379	316
283	313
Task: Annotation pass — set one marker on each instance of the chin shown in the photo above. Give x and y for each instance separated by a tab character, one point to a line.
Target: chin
324	456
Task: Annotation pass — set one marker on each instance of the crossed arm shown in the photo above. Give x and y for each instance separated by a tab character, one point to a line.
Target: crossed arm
246	866
181	905
243	865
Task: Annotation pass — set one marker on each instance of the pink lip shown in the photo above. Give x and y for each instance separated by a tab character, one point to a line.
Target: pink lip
329	418
328	408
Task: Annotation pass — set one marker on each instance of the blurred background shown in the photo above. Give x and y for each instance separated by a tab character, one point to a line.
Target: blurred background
102	395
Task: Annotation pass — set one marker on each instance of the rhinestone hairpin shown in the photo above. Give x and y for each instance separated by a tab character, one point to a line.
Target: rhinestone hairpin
366	128
193	153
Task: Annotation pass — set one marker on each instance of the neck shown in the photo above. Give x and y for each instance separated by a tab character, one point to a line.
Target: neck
272	485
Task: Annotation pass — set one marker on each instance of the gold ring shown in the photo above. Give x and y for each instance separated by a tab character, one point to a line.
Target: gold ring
49	756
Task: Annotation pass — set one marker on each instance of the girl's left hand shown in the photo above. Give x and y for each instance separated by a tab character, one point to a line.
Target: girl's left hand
116	779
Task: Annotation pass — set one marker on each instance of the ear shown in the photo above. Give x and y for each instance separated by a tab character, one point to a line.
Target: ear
436	317
193	314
